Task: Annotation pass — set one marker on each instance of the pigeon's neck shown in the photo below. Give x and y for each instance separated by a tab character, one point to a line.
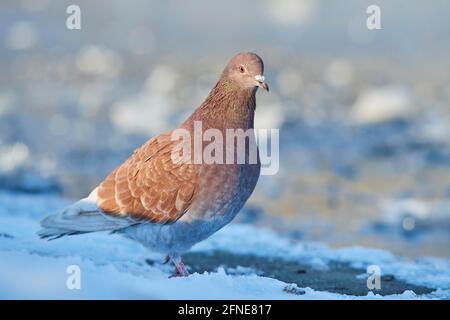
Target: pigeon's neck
227	107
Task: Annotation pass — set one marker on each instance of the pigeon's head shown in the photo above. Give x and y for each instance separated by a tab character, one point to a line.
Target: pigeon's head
246	70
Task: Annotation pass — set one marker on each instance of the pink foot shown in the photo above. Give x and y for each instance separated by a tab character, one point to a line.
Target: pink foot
180	268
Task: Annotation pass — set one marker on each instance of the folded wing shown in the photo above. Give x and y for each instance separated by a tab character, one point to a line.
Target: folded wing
150	186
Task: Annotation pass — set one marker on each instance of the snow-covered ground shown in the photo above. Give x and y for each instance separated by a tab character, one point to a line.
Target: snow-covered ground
114	267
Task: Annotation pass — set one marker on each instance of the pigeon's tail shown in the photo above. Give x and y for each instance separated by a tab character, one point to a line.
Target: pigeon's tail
83	216
55	233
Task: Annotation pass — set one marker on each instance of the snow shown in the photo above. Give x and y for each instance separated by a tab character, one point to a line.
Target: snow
377	105
114	268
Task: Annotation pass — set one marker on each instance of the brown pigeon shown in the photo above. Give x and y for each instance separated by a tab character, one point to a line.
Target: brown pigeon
169	205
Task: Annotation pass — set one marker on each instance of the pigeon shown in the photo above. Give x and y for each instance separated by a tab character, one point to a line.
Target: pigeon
169	205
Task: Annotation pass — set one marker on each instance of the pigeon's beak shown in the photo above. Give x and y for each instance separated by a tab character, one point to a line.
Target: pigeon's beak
261	83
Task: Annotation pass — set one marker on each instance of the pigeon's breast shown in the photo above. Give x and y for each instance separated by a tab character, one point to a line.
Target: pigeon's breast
223	190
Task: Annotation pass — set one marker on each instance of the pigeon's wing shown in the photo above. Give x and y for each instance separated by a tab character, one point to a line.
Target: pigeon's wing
150	186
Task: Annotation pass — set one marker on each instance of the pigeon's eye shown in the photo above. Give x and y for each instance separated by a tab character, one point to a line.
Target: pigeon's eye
241	69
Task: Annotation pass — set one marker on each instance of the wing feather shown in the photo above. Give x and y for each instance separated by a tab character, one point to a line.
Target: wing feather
149	185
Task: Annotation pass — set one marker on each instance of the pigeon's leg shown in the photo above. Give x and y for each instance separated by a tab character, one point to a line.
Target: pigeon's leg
180	268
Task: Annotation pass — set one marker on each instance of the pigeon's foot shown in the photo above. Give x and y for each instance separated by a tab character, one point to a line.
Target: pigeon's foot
180	268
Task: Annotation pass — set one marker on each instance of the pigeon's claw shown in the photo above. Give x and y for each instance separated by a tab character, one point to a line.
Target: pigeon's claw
180	268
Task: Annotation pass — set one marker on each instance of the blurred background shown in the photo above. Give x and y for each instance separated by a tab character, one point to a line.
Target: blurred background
364	116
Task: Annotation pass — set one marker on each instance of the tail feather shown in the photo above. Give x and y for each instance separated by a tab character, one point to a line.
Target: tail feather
83	216
55	233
